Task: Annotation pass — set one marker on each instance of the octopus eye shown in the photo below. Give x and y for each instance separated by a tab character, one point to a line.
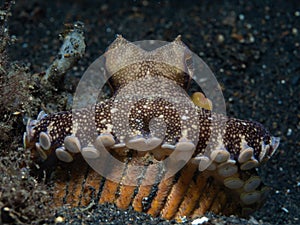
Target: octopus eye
267	150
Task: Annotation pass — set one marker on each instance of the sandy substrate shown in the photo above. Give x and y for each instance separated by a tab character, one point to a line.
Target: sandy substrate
251	46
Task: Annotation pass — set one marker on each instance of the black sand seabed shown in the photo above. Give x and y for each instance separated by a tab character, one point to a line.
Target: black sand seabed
252	47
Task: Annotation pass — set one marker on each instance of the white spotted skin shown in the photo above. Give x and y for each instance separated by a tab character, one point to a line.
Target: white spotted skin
60	125
206	131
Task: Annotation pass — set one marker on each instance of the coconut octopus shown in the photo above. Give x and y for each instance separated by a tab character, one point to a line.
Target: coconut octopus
160	151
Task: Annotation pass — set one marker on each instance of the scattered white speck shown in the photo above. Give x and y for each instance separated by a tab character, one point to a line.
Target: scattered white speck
109	127
184	132
248	25
295	31
200	220
220	38
241	17
201	80
103	121
285	209
24	45
298	184
59	219
183	219
283	81
289	132
251	39
194	127
297	13
253	220
114	110
184	117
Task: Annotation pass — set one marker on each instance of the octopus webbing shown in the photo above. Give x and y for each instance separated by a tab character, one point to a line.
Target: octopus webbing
161	151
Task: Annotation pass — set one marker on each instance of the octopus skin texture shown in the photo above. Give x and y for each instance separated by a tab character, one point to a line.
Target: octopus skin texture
214	159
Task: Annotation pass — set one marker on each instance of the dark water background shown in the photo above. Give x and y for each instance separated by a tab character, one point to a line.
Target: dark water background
251	46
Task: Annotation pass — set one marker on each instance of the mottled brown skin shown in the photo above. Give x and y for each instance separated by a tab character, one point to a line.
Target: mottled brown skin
191	191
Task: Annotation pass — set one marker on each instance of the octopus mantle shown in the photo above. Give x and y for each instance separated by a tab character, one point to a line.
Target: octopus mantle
214	158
